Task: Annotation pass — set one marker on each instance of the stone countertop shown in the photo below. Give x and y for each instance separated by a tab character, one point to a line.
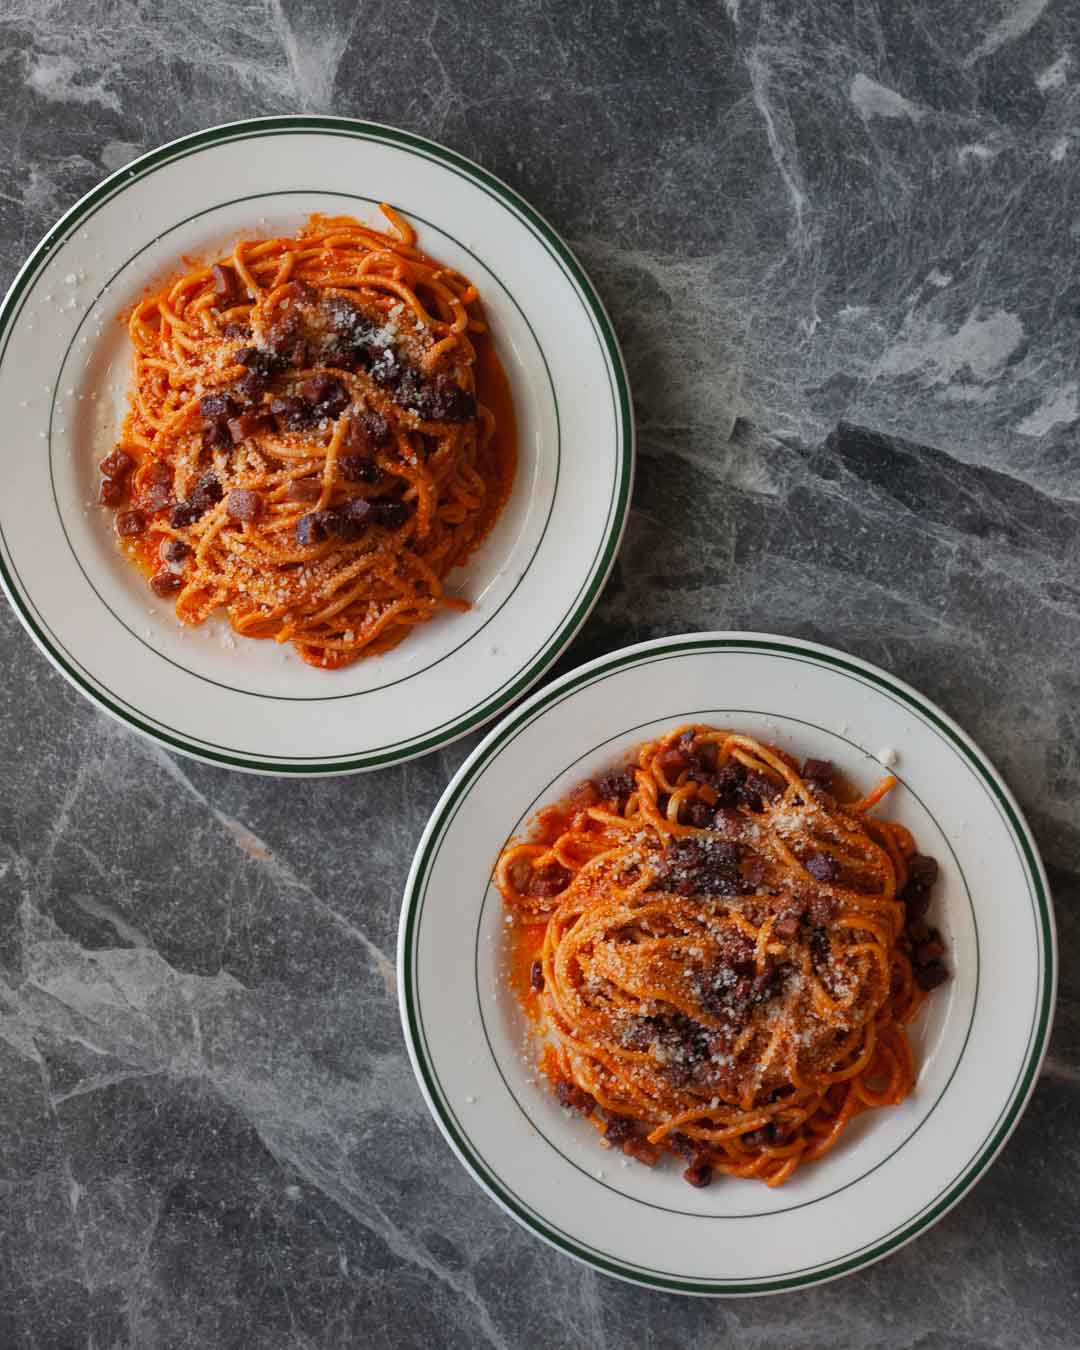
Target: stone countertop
806	220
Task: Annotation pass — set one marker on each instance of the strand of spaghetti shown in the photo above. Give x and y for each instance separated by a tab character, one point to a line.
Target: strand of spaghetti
405	231
874	795
239	264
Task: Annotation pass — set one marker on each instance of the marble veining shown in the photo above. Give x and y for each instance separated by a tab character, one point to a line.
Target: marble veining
839	244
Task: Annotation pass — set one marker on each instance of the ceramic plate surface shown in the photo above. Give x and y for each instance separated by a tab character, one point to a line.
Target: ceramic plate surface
979	1041
64	360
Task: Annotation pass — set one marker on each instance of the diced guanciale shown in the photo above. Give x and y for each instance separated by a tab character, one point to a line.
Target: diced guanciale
367	433
929	952
166	583
548	880
117	465
246	425
822	866
573	1097
698	813
821	772
244	505
699	1174
358	469
227	289
303	490
326	394
929	977
156	485
671	762
616	788
788	924
130	523
922	873
173	550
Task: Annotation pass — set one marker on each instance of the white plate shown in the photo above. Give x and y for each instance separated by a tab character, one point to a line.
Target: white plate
63	374
979	1040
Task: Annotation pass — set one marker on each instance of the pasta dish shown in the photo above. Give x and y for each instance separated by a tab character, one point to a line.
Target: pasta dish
319	431
721	950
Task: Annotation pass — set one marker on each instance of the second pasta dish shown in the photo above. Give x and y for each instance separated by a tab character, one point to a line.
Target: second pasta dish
720	949
319	431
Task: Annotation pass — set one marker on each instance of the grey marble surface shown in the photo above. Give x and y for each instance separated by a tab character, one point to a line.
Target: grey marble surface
803	217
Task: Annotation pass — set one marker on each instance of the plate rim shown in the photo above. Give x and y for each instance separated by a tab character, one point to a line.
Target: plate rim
141	720
1027	1073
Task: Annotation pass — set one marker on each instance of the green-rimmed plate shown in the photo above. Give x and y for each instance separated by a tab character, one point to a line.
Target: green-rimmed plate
979	1040
63	373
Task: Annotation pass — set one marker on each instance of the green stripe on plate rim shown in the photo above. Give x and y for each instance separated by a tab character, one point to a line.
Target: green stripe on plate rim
417	883
615	369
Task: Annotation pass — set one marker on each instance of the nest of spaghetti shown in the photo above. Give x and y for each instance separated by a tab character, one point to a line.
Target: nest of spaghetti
723	951
305	449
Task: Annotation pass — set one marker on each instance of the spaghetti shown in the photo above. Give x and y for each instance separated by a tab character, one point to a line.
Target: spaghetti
308	446
722	951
